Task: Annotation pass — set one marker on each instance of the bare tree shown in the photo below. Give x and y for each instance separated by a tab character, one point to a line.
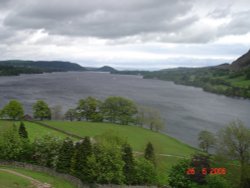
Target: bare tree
206	140
150	117
234	143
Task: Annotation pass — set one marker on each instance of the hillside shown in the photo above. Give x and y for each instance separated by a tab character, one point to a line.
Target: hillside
102	69
16	67
168	150
241	63
227	79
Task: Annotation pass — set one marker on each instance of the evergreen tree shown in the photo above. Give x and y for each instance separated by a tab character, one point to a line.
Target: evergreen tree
83	151
128	158
22	131
149	153
65	155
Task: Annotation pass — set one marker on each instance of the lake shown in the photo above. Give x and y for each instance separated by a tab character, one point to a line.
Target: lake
186	110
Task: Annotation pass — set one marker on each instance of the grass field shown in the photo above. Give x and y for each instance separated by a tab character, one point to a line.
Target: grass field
34	130
8	180
23	183
135	136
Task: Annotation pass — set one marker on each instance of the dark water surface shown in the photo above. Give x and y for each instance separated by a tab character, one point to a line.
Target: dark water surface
186	110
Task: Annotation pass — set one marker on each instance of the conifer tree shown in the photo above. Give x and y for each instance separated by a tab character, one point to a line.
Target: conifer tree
82	152
22	131
149	153
65	155
128	158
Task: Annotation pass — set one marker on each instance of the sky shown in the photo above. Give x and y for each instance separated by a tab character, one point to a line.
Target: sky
126	34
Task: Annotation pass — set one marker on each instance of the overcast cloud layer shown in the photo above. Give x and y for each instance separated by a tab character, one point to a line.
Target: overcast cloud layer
141	34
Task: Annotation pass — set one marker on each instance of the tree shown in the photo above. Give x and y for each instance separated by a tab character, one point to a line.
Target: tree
11	144
22	131
109	164
56	112
129	167
234	143
13	110
70	114
178	177
91	109
201	164
119	110
80	109
83	150
145	173
216	181
207	140
149	153
46	150
150	118
65	156
41	110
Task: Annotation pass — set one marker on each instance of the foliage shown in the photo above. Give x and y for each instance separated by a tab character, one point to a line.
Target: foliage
198	162
216	181
22	131
178	177
41	110
46	150
90	109
129	166
109	164
11	144
13	110
83	150
119	110
64	157
234	143
56	112
149	153
145	172
70	114
150	118
207	140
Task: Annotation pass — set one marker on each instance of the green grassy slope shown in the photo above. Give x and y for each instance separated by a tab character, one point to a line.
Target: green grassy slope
8	180
137	137
34	130
42	177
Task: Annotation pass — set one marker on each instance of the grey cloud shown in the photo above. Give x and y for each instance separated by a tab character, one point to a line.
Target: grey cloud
239	24
104	19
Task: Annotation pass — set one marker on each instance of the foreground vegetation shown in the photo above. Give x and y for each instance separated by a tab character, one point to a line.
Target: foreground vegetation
113	153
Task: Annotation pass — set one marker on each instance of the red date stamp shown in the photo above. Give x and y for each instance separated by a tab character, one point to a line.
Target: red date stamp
205	171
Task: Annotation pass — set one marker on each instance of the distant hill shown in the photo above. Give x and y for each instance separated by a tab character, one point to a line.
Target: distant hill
241	63
44	66
106	69
102	69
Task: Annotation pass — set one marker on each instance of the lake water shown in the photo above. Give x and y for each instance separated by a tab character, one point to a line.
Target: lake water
186	110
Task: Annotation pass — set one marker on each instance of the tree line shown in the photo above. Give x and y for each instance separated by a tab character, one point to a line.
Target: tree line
231	151
109	160
113	109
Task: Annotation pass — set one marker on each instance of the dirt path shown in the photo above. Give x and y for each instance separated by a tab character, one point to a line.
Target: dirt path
34	182
161	154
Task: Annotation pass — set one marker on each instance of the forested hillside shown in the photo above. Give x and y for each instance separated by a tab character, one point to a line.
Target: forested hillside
16	67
